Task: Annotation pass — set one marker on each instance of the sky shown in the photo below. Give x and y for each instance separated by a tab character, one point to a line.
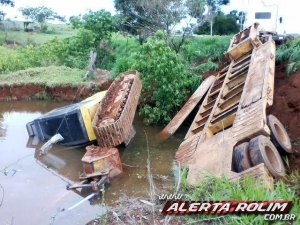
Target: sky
287	8
62	7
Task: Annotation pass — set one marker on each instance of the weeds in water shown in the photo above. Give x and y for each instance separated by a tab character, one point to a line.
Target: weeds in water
152	191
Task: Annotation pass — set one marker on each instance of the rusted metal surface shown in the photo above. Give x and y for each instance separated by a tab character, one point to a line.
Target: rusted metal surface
188	107
243	42
260	173
187	149
99	161
114	117
233	112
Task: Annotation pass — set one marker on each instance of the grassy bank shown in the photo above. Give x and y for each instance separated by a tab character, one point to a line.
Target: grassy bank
16	35
48	76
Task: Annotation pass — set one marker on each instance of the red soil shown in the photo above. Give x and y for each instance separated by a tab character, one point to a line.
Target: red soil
29	92
62	93
286	107
101	82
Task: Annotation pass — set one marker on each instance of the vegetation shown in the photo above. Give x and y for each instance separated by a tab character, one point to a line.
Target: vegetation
7	2
15	36
205	53
100	23
214	189
40	14
223	25
122	58
164	76
157	62
48	76
289	53
143	18
72	52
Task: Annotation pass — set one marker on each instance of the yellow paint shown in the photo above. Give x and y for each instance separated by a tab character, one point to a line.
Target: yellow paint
221	125
88	111
101	165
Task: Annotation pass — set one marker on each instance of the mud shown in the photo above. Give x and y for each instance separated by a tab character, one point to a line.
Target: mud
286	108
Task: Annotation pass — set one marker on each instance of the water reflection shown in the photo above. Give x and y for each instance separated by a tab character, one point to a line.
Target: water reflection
2	128
28	185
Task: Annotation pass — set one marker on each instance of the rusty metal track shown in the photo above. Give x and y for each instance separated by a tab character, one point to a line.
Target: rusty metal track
114	117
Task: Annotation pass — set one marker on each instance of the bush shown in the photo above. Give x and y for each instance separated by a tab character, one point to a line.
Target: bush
289	53
204	54
125	50
205	48
71	52
166	81
222	25
76	49
203	68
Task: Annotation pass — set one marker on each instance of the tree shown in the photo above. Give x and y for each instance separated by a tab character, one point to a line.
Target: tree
164	75
196	9
213	7
144	18
223	25
7	2
75	21
100	23
40	14
239	16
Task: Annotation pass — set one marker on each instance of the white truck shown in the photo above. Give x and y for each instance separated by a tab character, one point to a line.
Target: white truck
268	14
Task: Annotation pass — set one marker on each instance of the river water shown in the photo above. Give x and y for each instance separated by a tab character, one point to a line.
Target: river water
33	187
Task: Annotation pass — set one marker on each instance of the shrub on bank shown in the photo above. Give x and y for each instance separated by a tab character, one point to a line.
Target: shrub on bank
204	53
167	82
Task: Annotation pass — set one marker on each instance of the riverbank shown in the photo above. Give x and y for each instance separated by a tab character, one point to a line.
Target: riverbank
56	83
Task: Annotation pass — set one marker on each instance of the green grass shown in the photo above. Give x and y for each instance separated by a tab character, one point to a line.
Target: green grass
125	49
22	38
221	189
289	53
51	76
204	53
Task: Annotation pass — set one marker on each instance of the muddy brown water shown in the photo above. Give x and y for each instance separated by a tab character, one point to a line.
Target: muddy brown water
33	187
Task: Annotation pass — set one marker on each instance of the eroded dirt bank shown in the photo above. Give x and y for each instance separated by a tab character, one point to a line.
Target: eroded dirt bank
286	107
40	92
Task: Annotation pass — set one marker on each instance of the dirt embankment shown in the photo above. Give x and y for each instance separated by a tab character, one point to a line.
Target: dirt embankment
59	93
286	107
